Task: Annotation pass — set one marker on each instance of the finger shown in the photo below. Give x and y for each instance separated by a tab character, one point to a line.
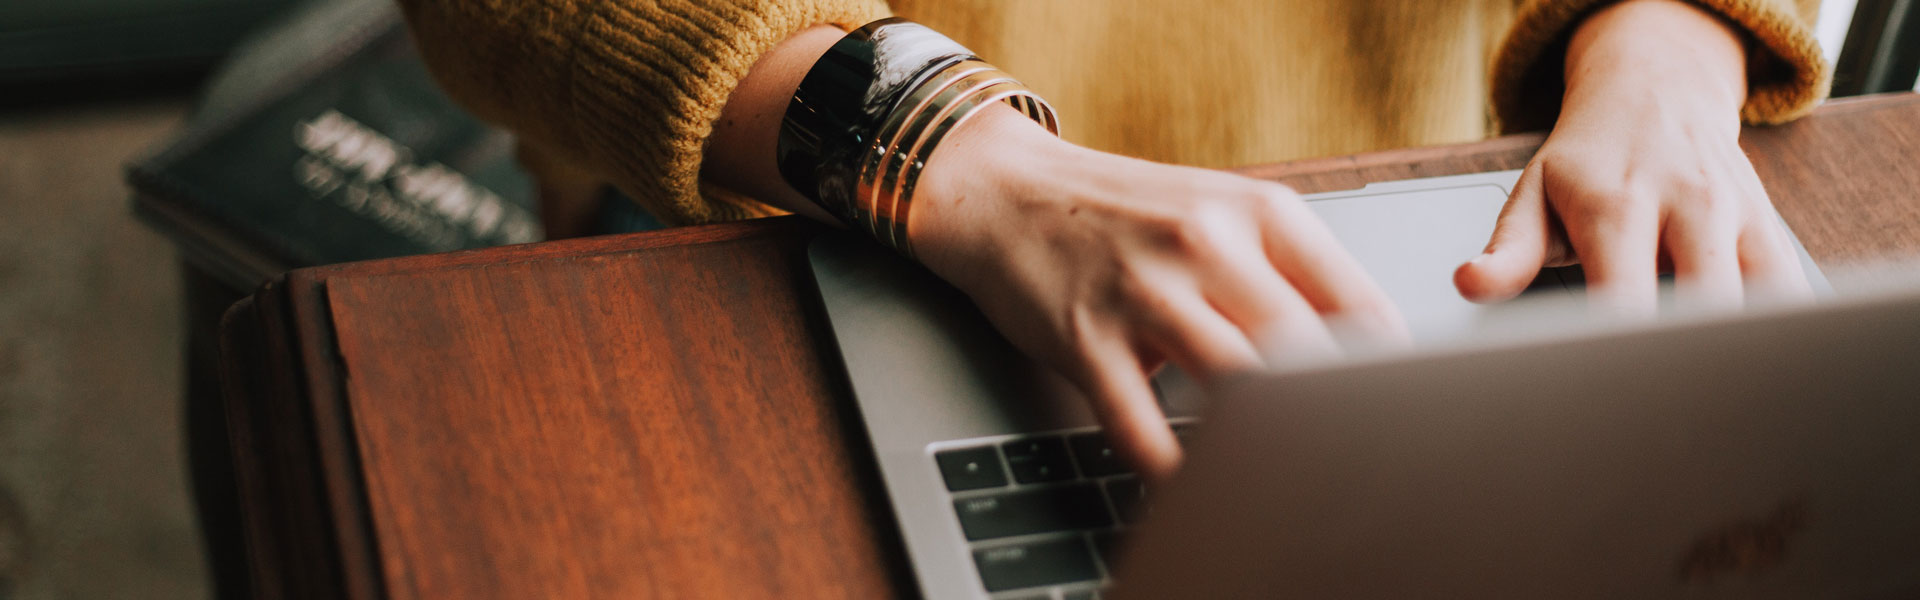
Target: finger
1282	325
1706	262
1314	263
1517	249
1192	333
1770	264
1123	401
1769	259
1618	244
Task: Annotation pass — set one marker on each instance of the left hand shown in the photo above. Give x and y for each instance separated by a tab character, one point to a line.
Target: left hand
1643	171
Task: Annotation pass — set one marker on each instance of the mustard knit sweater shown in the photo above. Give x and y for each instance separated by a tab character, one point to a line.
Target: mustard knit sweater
629	90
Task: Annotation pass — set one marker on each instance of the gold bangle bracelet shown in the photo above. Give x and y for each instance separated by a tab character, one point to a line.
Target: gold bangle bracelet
1021	98
900	175
890	169
886	140
884	179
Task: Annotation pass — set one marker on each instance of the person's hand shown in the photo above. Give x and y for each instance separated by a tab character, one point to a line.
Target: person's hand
1644	171
1103	266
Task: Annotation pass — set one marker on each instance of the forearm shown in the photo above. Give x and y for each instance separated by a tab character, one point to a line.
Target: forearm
630	90
1786	78
1666	48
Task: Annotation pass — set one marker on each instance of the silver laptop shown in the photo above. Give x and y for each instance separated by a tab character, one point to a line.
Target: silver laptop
1003	487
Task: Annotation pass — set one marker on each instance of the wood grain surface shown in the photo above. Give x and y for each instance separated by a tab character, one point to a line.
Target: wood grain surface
663	415
655	431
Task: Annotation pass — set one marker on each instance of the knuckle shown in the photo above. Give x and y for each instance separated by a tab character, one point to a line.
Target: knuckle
1694	184
1721	205
1597	209
1197	232
1138	292
1608	206
1703	199
1604	193
1700	190
1273	199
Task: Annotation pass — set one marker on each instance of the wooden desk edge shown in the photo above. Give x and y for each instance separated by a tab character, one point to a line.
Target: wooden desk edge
304	513
289	455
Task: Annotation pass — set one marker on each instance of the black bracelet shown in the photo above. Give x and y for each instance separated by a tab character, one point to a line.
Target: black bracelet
877	102
839	106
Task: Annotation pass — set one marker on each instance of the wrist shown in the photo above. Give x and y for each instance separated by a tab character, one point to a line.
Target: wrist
1666	49
996	155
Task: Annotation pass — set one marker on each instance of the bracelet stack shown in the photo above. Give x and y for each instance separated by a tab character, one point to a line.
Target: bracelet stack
864	121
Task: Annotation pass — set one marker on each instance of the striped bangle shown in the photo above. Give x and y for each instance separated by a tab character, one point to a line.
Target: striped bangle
865	119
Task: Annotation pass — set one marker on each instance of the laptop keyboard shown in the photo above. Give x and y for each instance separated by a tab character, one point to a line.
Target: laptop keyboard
1043	513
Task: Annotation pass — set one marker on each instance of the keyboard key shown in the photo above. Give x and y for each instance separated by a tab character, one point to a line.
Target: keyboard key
1039	460
1129	498
1096	457
1032	511
1035	564
1108	545
971	468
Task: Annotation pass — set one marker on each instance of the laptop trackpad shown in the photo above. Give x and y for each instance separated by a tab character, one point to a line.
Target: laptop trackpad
1411	242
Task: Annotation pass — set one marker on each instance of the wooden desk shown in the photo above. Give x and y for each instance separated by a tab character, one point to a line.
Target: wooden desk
664	415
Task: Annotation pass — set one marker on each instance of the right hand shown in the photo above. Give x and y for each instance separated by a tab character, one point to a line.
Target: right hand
1103	267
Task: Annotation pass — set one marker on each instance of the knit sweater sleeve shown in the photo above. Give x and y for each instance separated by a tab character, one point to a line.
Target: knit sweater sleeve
629	89
1786	74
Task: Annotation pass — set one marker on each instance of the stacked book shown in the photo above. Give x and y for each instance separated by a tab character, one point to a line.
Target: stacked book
325	140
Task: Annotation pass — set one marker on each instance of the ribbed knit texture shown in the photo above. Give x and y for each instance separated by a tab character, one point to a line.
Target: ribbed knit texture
1787	76
631	89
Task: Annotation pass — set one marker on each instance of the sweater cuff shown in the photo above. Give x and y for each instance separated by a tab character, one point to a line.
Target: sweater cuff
649	86
1787	76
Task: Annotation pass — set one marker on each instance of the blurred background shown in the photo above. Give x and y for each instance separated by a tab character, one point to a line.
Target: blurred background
160	158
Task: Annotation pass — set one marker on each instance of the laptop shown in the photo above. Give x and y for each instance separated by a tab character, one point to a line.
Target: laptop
1772	454
1003	487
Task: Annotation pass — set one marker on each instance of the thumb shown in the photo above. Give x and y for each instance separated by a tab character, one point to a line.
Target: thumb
1517	250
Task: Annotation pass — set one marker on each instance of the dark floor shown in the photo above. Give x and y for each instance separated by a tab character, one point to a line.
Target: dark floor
93	490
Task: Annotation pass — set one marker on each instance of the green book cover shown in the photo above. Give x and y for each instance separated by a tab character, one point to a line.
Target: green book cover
328	142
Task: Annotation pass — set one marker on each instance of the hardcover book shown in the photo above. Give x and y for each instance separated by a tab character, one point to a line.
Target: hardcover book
325	141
